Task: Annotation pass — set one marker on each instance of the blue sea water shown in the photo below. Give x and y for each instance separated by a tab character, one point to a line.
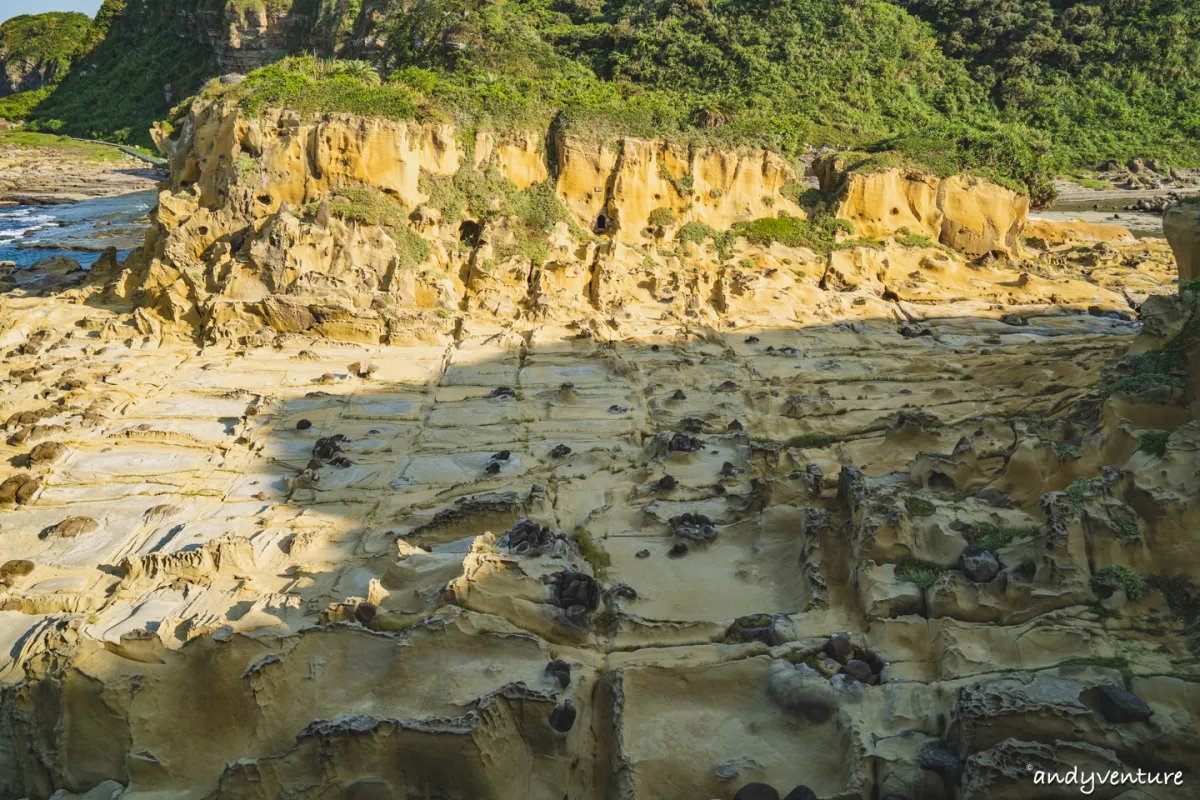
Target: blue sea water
77	230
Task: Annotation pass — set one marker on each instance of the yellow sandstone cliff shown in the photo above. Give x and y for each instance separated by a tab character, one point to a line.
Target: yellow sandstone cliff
968	214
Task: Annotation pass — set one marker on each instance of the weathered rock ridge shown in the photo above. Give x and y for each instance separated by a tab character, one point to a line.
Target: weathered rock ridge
241	241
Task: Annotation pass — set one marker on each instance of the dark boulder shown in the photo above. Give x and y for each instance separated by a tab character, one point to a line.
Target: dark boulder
682	443
19	488
756	791
562	718
571	589
978	564
1118	705
666	483
839	649
801	793
71	527
693	527
942	761
858	670
560	671
526	537
328	447
365	612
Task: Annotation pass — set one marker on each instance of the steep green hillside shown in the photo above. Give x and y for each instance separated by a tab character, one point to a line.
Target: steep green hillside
145	57
1017	89
36	51
1105	79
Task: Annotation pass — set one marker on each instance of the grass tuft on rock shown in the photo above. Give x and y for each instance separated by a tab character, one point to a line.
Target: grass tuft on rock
1125	577
592	552
993	537
1154	442
1083	488
921	573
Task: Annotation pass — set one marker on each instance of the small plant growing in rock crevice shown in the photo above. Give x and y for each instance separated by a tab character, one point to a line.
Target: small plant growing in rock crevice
993	537
605	620
1125	577
1154	442
683	186
591	551
1081	489
1183	598
661	216
921	573
919	506
1066	450
245	165
698	232
1127	528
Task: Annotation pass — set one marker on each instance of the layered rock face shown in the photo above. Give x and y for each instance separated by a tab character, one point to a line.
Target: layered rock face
238	231
969	214
346	487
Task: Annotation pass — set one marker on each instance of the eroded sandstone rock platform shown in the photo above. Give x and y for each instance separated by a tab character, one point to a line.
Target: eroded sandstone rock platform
642	520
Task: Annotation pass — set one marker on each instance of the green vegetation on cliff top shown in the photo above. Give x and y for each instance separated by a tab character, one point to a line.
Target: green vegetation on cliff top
1019	89
52	39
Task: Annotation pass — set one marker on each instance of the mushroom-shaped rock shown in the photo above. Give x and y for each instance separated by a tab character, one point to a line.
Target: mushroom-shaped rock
15	569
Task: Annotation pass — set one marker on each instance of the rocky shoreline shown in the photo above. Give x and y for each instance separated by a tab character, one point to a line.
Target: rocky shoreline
52	175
